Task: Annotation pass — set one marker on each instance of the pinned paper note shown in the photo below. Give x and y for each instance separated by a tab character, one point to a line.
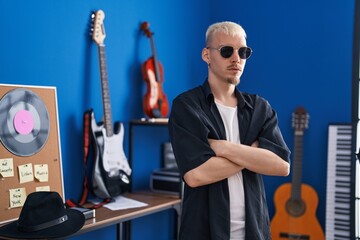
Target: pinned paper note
17	197
6	167
121	202
43	189
41	172
26	173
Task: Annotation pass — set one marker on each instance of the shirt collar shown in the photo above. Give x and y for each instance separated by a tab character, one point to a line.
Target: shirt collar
210	97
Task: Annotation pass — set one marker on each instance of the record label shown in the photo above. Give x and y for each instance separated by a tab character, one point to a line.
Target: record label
27	124
23	122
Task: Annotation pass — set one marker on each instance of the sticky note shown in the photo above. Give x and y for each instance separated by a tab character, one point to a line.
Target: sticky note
17	197
6	167
41	172
26	173
43	189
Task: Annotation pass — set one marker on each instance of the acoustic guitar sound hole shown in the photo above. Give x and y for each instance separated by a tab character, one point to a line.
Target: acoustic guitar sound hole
295	208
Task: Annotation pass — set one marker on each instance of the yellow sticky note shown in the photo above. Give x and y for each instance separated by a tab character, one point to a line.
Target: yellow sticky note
43	189
6	167
26	173
41	172
17	197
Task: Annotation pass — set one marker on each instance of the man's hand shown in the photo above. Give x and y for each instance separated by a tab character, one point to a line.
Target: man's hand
219	146
255	144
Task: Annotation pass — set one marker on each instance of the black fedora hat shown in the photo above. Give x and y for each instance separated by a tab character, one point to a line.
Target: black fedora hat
44	216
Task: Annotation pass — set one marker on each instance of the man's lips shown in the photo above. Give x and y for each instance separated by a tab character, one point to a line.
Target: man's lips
234	68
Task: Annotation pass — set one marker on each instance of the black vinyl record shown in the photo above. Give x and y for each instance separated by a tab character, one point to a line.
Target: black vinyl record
25	124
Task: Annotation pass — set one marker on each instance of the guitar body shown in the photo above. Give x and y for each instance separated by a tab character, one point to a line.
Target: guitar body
155	102
296	219
111	169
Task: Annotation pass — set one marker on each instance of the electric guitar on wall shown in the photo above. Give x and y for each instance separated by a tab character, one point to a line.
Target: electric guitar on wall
296	202
111	169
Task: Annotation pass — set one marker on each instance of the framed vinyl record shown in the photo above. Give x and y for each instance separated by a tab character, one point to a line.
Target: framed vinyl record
30	155
26	127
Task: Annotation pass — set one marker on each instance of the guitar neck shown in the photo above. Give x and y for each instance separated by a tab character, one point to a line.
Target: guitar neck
297	166
105	91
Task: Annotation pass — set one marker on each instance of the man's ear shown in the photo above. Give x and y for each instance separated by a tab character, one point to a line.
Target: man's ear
205	55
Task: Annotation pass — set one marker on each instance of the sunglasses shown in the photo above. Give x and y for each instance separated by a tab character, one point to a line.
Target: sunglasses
227	51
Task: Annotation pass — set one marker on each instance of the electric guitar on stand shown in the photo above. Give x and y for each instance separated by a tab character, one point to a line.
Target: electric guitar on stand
296	202
111	171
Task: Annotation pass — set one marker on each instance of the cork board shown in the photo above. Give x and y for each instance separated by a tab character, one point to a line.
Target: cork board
30	155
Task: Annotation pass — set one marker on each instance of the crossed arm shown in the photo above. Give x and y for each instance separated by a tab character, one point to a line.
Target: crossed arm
231	158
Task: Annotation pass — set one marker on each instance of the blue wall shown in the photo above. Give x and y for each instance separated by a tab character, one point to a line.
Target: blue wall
302	56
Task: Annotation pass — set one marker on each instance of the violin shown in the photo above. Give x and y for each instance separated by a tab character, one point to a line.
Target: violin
155	102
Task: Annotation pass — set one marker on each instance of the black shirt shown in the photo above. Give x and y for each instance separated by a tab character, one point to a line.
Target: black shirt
193	120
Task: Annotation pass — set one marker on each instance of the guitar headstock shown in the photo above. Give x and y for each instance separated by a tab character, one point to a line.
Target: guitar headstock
98	29
145	26
300	120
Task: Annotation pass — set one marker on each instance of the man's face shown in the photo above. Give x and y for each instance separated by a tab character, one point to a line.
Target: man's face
230	69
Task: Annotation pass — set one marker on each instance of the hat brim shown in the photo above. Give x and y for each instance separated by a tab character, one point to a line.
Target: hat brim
74	223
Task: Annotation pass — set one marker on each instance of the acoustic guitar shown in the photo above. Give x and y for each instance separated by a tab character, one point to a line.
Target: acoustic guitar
111	173
296	202
155	102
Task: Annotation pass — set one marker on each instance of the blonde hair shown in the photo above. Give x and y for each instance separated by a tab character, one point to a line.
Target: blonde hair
227	27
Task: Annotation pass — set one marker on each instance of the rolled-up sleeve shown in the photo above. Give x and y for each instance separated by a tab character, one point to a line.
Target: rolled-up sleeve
270	136
189	135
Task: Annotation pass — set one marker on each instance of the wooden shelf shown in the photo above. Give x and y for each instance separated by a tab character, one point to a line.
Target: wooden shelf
157	202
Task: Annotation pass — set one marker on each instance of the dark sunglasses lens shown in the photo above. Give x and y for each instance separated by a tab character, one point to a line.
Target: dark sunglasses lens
226	51
244	52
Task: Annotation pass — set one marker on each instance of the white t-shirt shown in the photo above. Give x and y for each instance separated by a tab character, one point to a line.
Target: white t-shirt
235	182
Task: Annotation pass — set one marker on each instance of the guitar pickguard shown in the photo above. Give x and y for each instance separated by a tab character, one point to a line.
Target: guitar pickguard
110	148
113	153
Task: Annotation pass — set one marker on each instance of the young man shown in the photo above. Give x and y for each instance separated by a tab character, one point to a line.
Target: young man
224	140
